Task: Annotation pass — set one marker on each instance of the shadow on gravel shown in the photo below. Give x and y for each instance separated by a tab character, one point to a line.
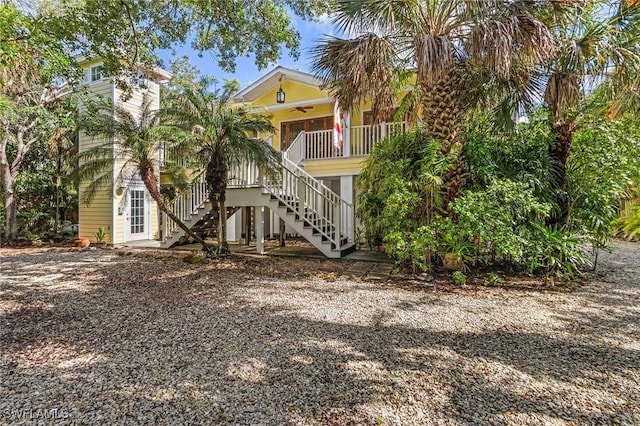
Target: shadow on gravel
196	350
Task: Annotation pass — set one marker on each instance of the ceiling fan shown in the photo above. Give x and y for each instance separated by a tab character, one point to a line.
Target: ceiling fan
302	108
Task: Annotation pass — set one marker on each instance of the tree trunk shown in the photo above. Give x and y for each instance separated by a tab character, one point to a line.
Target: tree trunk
559	153
444	114
216	177
151	183
223	244
283	233
10	206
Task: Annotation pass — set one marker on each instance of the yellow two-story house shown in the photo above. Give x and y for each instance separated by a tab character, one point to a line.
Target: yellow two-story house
313	193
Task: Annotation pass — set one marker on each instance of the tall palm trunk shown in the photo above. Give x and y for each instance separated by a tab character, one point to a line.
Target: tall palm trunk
150	181
559	152
443	115
216	177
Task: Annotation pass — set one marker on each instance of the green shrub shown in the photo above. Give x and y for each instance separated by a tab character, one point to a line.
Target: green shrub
398	191
501	220
492	279
459	278
604	164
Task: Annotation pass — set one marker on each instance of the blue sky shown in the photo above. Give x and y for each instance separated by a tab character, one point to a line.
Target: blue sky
246	70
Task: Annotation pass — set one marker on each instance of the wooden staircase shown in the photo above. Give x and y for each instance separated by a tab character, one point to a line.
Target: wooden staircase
304	203
207	226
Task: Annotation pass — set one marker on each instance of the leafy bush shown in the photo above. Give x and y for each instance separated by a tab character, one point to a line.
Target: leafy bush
501	220
459	278
398	192
629	222
604	164
559	252
492	279
518	156
504	216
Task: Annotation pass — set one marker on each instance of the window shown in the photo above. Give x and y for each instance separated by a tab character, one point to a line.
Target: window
96	73
289	130
140	81
367	117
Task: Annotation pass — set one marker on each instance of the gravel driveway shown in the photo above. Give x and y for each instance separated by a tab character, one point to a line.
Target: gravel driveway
92	337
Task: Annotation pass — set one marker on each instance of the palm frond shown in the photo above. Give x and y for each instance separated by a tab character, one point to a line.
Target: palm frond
359	69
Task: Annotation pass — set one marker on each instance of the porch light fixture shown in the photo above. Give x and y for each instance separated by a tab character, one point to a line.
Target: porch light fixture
280	93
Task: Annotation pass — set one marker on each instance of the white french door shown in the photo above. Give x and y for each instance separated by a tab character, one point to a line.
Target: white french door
137	217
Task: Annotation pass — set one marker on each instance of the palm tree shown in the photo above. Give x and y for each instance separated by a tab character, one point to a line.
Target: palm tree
133	143
453	48
598	46
221	137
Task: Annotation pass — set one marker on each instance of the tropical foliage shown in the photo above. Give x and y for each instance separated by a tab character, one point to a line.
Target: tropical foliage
33	113
218	137
505	215
598	44
132	143
455	47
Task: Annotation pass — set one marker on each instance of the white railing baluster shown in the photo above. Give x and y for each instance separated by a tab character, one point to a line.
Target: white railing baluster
314	202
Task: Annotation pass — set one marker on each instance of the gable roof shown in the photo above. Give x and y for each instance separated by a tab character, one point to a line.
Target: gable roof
272	79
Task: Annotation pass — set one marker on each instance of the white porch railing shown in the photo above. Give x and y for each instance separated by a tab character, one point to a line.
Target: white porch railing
244	175
319	145
185	205
295	152
313	202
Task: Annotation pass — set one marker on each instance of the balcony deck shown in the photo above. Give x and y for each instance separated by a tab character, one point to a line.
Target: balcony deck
318	151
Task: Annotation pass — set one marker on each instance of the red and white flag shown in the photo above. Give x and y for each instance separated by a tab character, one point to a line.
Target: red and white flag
338	118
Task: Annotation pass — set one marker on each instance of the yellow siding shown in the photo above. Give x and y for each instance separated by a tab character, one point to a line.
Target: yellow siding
154	220
118	223
133	103
295	92
99	213
334	167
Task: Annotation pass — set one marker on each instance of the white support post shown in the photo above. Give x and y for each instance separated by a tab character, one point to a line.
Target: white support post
234	228
337	225
346	193
301	197
346	135
259	229
271	222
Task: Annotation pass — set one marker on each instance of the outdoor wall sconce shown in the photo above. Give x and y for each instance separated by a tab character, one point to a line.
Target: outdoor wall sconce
280	93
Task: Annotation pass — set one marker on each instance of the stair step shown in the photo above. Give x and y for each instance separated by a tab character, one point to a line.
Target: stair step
300	217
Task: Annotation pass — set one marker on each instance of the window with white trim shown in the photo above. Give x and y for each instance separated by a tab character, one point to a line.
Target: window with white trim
96	73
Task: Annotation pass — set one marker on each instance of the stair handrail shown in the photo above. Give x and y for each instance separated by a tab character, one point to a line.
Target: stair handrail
296	151
185	205
345	217
314	203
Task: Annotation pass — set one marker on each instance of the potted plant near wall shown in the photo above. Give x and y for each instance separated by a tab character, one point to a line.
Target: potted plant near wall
101	238
455	248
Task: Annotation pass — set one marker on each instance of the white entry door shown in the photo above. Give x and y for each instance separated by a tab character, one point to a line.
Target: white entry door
137	217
